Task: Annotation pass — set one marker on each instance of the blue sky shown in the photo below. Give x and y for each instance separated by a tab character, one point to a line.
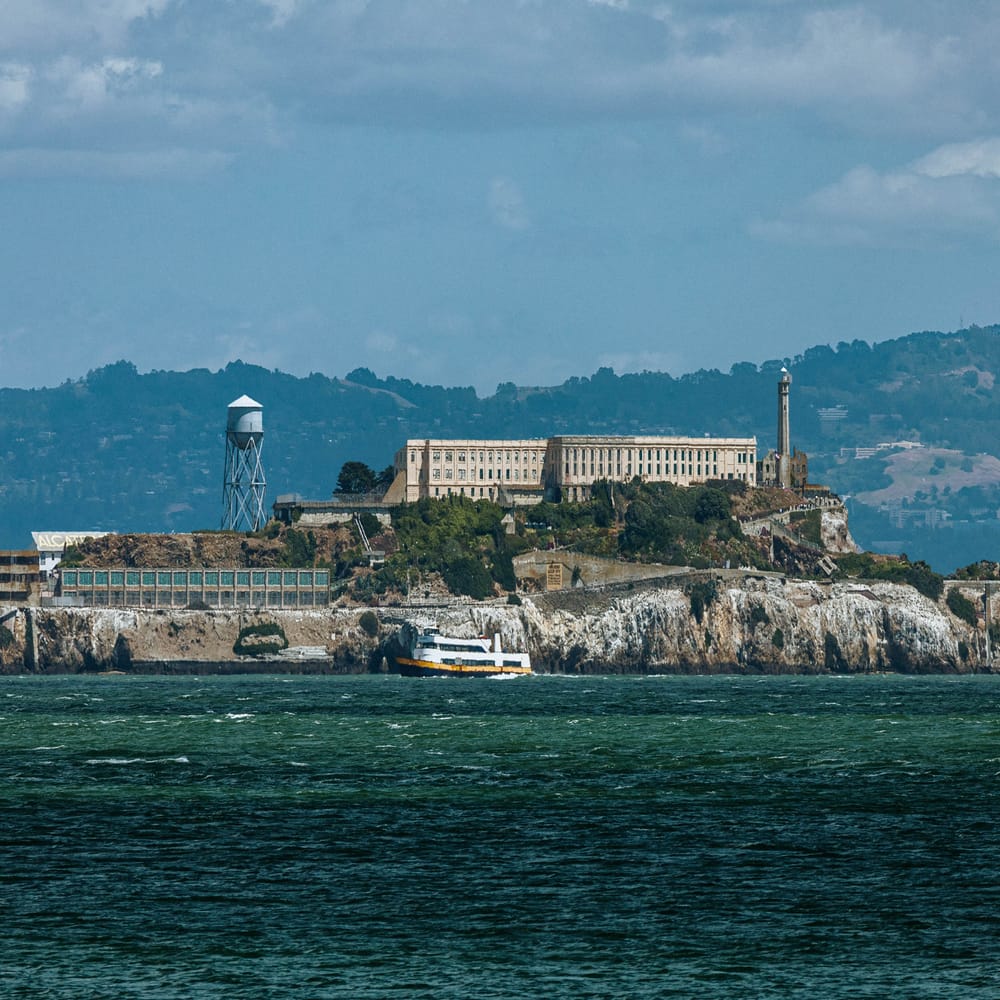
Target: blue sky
468	192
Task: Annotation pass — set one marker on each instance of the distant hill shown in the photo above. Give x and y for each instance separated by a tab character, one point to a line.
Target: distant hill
123	451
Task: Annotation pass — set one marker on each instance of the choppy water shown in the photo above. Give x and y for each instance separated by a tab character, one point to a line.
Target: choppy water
542	837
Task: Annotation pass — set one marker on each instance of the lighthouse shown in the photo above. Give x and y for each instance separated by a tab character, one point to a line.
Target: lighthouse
784	451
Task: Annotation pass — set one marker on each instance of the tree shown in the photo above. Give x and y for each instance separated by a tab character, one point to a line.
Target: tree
355	477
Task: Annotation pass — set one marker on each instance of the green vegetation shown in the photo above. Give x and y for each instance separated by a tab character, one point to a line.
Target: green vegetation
759	615
917	574
960	606
6	637
71	557
808	524
94	431
778	639
663	518
982	570
355	477
299	549
702	595
371	524
461	539
260	639
368	623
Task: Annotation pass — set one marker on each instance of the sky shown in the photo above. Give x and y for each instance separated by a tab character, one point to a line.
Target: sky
470	192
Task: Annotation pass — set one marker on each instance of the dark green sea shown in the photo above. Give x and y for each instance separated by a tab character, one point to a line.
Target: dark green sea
551	837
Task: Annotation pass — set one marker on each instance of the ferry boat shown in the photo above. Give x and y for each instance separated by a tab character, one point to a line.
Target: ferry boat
428	653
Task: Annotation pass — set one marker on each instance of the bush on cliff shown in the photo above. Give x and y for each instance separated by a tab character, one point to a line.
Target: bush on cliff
702	595
894	570
960	606
368	622
260	639
460	538
6	637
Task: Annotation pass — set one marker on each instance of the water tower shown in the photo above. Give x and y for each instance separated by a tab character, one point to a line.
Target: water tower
243	484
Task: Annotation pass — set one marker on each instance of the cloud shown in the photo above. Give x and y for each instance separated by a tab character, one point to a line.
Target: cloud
14	87
506	204
979	158
46	26
237	74
953	192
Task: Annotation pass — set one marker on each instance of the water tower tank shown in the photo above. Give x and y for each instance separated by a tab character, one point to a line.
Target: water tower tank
245	422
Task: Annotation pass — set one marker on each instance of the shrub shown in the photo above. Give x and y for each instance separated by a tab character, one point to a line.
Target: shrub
300	548
514	599
468	576
778	639
368	623
960	606
6	637
759	615
260	639
371	524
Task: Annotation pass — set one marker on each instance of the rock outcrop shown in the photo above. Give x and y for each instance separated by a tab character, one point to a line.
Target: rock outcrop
706	623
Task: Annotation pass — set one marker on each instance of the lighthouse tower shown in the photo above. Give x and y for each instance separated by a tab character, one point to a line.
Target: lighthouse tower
783	454
243	482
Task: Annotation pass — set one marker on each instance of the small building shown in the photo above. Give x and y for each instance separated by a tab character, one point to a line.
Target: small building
290	508
20	578
798	470
52	544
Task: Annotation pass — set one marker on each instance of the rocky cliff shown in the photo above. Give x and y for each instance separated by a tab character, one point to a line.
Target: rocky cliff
700	623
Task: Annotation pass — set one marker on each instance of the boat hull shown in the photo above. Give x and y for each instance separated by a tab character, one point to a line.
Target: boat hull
409	667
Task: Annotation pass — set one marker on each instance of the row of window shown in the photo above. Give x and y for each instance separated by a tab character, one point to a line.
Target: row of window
648	454
684	469
195	578
213	598
484	492
484	456
485	474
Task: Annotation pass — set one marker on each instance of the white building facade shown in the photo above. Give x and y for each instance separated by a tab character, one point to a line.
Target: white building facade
529	470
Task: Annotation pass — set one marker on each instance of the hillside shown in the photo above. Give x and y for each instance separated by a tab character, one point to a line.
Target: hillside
123	451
